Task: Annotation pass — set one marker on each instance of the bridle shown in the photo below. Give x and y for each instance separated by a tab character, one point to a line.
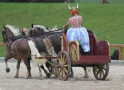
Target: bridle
4	33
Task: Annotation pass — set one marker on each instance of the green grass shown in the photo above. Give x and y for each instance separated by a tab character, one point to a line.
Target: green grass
102	19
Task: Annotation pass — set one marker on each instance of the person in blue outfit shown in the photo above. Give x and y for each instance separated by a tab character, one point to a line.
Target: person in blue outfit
76	32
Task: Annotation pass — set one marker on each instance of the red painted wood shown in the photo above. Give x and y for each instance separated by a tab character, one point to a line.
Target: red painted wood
65	42
92	60
103	48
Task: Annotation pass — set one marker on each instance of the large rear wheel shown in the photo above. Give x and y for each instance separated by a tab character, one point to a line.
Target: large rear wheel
101	71
64	65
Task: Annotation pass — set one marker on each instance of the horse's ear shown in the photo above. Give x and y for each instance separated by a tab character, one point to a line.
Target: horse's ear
38	28
47	28
4	26
32	25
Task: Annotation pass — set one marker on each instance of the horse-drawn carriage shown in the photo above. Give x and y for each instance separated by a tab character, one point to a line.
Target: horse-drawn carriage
70	56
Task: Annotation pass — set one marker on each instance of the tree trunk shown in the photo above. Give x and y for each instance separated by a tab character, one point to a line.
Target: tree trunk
68	1
104	2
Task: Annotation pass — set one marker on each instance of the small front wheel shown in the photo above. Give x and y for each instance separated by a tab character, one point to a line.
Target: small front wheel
64	65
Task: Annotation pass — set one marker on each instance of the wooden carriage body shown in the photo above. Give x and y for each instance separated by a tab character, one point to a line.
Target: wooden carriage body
99	51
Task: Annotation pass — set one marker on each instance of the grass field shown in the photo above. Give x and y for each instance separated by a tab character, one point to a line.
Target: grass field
102	19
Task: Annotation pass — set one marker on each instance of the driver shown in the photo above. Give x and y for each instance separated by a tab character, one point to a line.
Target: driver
76	32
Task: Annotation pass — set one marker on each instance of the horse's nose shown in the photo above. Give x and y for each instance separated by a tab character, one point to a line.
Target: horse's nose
4	41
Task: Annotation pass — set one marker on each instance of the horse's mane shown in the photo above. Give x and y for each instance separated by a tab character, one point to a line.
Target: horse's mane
41	27
53	29
14	30
45	30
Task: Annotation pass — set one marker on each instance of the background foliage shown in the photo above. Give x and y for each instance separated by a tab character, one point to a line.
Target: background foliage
48	1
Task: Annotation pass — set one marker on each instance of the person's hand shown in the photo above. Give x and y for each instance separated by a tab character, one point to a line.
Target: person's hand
63	27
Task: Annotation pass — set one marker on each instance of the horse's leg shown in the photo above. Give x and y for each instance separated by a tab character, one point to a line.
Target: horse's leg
29	65
86	73
72	73
47	74
28	68
17	71
48	66
40	73
7	68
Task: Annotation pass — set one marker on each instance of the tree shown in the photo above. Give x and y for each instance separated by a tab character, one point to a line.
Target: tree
104	2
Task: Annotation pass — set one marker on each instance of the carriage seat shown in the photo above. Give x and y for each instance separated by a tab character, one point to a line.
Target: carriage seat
96	47
93	44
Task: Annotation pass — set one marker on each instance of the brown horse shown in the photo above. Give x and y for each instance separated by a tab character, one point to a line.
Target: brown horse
19	48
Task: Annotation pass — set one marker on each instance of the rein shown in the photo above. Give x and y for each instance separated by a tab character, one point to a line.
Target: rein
50	32
56	11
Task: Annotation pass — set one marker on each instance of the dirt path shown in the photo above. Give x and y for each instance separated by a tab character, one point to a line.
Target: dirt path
114	81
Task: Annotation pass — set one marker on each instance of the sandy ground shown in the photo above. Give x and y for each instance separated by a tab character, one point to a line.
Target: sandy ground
114	81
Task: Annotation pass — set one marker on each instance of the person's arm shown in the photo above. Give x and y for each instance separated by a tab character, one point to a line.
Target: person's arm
67	24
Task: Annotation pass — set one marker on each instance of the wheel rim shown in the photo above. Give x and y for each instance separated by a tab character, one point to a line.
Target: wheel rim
63	70
101	71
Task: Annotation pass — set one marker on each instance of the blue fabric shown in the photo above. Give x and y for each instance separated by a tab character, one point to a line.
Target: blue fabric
74	33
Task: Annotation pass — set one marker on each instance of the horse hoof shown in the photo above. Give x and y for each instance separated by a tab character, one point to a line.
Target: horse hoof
48	75
15	76
40	77
55	75
71	75
86	76
7	70
28	77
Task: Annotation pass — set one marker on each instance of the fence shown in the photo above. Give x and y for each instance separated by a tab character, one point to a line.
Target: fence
2	44
111	45
120	49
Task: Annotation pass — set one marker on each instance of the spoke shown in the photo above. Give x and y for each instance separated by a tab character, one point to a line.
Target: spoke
65	65
104	65
100	74
95	68
63	58
59	60
65	70
65	61
104	68
97	73
103	73
59	71
63	73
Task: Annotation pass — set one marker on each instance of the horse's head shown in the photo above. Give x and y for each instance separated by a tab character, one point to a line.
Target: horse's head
4	33
37	29
8	32
25	31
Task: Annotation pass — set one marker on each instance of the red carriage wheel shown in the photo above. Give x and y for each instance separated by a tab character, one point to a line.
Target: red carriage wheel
64	65
101	71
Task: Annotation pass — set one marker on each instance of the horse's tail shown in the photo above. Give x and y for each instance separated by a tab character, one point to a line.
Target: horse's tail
34	52
50	49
